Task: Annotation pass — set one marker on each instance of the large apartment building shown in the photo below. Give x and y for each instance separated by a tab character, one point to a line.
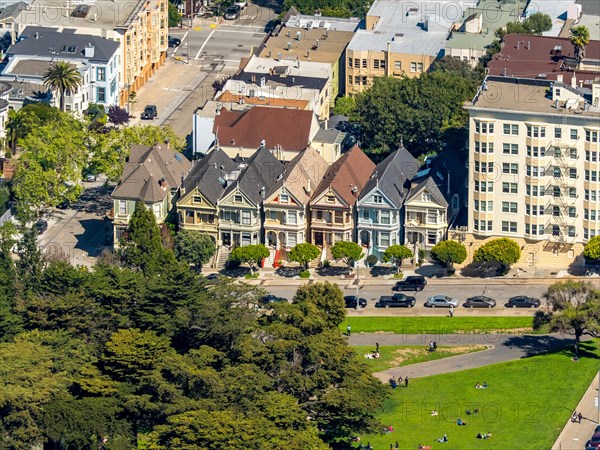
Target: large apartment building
534	167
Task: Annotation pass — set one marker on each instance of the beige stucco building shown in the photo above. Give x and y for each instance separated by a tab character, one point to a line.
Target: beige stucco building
534	168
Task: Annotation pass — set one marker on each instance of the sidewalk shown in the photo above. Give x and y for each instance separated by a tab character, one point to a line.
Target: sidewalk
575	435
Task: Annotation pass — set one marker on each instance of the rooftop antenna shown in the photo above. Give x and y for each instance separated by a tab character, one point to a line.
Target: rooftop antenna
401	141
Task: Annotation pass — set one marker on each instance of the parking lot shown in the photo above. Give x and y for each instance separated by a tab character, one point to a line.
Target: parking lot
80	232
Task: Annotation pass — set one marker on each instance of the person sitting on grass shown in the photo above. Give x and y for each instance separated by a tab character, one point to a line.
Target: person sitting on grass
484	385
443	439
488	435
478	385
434	413
460	423
479	436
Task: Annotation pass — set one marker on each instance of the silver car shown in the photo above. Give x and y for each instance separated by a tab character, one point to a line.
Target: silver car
441	301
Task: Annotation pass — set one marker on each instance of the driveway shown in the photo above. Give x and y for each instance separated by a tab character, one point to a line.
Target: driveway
79	233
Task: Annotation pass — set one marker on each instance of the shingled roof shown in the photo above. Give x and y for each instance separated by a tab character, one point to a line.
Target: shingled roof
261	171
150	172
205	175
302	175
289	128
352	169
392	176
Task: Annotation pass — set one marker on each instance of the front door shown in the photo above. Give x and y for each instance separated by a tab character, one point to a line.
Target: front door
318	238
226	238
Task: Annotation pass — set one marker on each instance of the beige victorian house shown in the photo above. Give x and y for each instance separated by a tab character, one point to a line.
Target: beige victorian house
332	207
153	176
197	207
286	204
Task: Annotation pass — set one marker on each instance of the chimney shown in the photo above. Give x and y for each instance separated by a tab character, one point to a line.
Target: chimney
269	54
317	44
88	51
308	54
298	35
573	81
288	47
326	33
528	45
36	35
289	33
518	45
556	104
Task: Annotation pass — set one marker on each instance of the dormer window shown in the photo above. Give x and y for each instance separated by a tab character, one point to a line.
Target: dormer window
197	199
237	199
377	199
426	197
330	199
284	198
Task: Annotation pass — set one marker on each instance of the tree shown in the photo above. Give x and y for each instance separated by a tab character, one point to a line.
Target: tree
504	251
174	16
592	248
327	298
344	106
30	264
117	115
396	254
304	253
575	309
538	23
250	254
348	252
141	246
580	36
63	78
194	248
449	252
19	123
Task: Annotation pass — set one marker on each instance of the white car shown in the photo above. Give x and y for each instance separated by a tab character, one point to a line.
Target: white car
441	301
241	4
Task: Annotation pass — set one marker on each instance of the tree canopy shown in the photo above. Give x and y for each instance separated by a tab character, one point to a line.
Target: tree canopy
250	254
348	252
504	251
580	37
449	252
592	248
194	248
396	254
304	253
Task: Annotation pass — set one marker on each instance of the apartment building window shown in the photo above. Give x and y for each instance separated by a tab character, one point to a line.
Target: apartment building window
384	239
484	127
535	191
484	206
510	149
365	214
510	188
292	217
100	74
590	195
591	175
573	173
484	186
512	129
557	133
536	152
357	81
535	171
574	134
350	61
101	95
572	212
319	215
413	67
349	79
339	217
364	81
591	136
571	231
385	217
534	210
536	132
591	156
245	217
510	168
123	207
377	199
356	63
364	64
509	207
509	227
484	147
419	67
397	65
379	64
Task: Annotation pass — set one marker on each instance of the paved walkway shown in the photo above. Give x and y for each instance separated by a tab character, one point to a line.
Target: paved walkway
575	435
504	347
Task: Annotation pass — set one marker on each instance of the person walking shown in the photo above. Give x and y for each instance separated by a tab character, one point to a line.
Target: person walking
451	313
405	381
348	331
579	417
434	346
376	347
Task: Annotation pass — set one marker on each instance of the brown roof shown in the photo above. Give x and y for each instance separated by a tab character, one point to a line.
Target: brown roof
289	128
352	169
302	175
150	172
528	56
228	96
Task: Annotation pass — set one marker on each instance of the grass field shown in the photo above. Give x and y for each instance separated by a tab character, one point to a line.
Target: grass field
403	355
438	325
525	406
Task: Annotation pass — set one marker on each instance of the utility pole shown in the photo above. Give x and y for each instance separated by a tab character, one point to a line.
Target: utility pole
191	27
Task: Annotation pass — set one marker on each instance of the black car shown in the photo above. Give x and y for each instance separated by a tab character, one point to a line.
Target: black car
270	298
41	226
352	301
414	283
396	301
522	301
150	112
479	301
174	42
233	12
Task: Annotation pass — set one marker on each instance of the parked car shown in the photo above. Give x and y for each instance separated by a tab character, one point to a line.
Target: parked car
242	4
233	12
41	226
270	298
396	301
479	301
352	301
594	441
149	112
522	301
174	42
441	301
414	283
90	178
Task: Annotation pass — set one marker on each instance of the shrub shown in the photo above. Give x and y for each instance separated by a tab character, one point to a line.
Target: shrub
372	260
304	274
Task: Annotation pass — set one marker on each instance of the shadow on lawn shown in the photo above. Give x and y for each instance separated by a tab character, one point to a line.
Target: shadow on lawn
535	345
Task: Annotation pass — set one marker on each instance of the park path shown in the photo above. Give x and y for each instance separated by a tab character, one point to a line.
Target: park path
503	347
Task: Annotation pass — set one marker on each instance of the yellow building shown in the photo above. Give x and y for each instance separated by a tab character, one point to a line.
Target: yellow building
400	39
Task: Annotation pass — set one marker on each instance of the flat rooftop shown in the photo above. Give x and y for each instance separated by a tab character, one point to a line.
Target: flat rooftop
350	24
410	27
85	14
288	67
524	95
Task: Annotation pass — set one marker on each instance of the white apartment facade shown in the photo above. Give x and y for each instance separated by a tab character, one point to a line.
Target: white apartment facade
534	168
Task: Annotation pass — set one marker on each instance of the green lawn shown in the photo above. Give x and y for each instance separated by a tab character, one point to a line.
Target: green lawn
437	324
403	355
525	406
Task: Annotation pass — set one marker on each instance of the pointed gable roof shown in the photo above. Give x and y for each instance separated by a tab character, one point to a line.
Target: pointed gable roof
261	171
353	168
429	185
392	176
306	169
205	175
150	172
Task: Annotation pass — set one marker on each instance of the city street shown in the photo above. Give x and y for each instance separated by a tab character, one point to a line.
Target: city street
210	50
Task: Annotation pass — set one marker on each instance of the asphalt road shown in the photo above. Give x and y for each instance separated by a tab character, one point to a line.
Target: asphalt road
501	293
